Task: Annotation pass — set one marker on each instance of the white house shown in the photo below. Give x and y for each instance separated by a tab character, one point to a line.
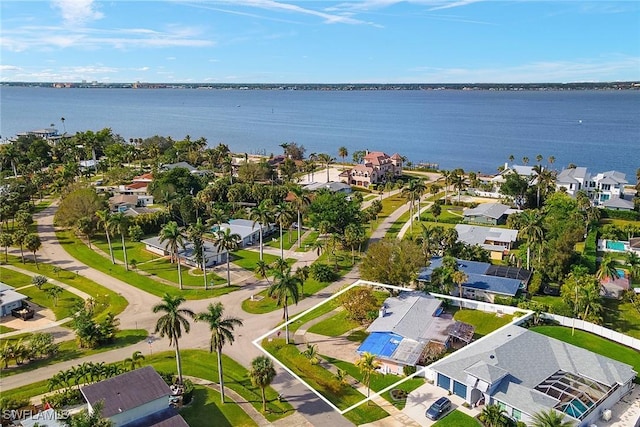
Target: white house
574	180
211	254
608	185
248	232
525	372
9	299
136	398
498	241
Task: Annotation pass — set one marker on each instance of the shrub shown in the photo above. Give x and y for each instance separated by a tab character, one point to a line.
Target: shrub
168	377
535	283
408	370
8	404
627	215
588	258
61	398
39	281
188	392
322	272
136	233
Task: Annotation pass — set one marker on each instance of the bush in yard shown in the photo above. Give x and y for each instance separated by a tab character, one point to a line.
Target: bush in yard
408	370
322	272
39	281
358	302
187	394
136	233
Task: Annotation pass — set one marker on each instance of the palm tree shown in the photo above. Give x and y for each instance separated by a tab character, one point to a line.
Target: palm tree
607	268
262	269
311	353
368	365
103	222
32	243
6	240
459	278
262	374
195	233
133	362
283	216
493	416
173	235
118	223
225	240
171	323
458	182
327	160
446	175
262	215
300	201
285	286
342	152
633	262
221	333
19	238
551	418
412	192
54	293
591	301
531	230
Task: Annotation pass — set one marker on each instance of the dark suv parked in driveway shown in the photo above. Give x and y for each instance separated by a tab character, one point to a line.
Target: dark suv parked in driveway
438	408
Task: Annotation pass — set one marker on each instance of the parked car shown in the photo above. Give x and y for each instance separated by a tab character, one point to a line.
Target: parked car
438	408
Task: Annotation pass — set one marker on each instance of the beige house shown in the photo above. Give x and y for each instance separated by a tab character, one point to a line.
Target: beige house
377	167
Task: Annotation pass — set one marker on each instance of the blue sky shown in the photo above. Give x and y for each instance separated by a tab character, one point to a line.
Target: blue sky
367	41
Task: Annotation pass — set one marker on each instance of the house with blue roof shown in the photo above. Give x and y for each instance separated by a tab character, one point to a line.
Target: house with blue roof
484	281
406	324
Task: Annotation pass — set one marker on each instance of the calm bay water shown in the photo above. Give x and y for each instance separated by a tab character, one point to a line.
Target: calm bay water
475	130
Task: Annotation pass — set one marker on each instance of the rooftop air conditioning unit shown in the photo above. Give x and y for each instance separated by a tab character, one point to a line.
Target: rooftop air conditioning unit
606	414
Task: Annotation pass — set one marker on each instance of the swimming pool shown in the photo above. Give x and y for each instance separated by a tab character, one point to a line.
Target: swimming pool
576	408
621	273
615	245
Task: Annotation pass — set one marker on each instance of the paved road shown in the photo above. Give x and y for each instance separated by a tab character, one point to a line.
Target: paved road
138	315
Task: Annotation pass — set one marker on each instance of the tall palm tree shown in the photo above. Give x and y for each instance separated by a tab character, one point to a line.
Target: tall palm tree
32	243
195	233
217	217
447	176
172	322
458	182
551	418
412	192
342	152
283	216
221	333
262	214
118	223
225	240
459	278
262	269
285	286
174	238
367	365
633	262
591	301
607	268
300	202
103	222
327	160
262	374
531	230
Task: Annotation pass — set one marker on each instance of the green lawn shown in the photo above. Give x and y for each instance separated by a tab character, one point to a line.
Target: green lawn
380	381
106	299
155	264
201	364
334	326
457	419
484	322
205	410
311	286
274	239
621	316
85	255
66	300
323	309
324	382
69	350
5	329
307	241
595	344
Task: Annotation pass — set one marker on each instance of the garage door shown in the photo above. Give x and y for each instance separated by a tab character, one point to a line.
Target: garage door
460	389
444	381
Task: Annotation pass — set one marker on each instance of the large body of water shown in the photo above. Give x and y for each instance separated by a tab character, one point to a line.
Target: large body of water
475	130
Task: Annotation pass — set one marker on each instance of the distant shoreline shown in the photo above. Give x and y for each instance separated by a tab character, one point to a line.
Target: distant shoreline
631	85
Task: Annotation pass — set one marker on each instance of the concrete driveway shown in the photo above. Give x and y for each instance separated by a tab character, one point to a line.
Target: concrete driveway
421	398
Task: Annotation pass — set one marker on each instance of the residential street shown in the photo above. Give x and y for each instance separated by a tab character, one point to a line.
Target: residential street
138	315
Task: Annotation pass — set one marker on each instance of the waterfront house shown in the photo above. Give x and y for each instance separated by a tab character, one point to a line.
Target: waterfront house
135	398
573	180
406	324
485	281
377	167
608	185
498	241
618	204
524	373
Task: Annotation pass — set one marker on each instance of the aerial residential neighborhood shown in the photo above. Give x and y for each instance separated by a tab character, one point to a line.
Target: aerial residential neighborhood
154	282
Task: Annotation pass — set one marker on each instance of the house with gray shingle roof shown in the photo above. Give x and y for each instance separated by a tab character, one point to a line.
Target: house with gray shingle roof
525	372
498	241
488	213
484	281
135	398
404	327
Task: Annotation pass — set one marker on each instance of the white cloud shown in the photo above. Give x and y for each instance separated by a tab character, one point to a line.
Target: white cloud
9	68
77	12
